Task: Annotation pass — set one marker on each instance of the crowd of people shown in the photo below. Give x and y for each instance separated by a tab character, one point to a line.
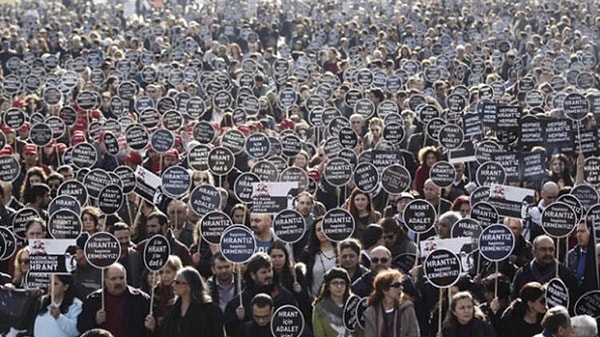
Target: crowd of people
361	80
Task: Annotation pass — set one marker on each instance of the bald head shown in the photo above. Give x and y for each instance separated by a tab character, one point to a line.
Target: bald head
116	279
550	192
430	191
381	259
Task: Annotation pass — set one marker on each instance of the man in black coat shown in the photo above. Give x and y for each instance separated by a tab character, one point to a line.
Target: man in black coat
543	268
125	308
259	279
262	312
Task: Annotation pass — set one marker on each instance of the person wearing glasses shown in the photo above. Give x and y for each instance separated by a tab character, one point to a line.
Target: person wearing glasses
395	238
193	311
328	307
390	312
381	259
21	266
524	316
543	267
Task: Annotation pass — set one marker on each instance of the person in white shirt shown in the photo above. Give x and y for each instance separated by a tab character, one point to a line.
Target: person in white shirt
58	313
549	194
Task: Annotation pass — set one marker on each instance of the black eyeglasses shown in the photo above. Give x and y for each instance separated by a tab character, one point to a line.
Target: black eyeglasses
25	261
377	260
338	283
396	285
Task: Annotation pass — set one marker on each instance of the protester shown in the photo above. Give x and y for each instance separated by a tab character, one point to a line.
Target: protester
427	157
262	311
348	252
577	255
86	278
319	256
21	266
389	312
289	276
130	258
158	223
544	267
259	279
327	316
381	259
164	291
361	207
58	318
193	310
122	312
465	318
584	326
496	292
524	316
556	322
396	239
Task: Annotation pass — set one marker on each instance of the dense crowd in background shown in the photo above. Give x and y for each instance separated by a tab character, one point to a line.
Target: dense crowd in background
234	60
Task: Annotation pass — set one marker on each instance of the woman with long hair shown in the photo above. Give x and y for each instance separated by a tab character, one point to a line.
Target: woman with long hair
319	256
34	175
300	160
240	214
390	312
193	311
360	205
328	307
524	316
295	283
164	295
21	267
560	170
375	134
58	318
465	319
428	156
49	155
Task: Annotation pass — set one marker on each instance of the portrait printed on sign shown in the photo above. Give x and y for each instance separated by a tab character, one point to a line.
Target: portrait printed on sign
272	197
52	256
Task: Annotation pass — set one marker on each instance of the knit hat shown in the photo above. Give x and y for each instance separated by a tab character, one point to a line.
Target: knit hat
337	272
